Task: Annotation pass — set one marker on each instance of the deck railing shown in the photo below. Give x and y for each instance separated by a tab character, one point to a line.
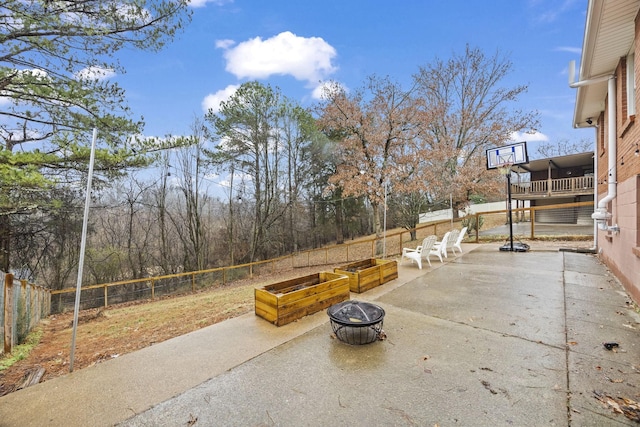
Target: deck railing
550	187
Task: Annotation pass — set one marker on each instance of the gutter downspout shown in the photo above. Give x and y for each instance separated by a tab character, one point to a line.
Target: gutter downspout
601	215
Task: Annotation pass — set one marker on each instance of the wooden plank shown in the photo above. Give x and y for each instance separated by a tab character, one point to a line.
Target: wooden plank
367	276
266	297
370	278
389	271
8	313
303	293
266	312
266	305
370	274
358	265
33	377
297	287
354	279
304	311
314	298
277	287
327	276
284	308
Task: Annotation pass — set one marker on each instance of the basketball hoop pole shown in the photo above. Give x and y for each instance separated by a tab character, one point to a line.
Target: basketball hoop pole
506	170
510	211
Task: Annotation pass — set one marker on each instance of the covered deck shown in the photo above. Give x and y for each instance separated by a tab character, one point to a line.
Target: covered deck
558	177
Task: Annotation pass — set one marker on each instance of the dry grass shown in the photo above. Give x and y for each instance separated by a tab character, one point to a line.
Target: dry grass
105	333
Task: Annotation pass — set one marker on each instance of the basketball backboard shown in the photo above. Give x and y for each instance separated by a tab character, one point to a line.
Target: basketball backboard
513	154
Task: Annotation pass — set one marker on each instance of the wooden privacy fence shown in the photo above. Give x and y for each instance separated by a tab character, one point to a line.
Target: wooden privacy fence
23	305
103	295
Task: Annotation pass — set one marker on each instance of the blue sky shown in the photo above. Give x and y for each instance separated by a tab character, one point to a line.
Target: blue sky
295	44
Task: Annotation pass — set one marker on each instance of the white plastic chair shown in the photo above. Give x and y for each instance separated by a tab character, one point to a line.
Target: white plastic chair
441	246
421	252
458	242
451	241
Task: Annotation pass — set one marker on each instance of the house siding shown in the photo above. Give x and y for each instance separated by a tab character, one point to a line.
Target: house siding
620	251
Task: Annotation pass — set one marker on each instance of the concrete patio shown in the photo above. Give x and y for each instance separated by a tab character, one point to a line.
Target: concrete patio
488	338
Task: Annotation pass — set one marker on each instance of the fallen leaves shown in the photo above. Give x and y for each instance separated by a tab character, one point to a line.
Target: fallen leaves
620	405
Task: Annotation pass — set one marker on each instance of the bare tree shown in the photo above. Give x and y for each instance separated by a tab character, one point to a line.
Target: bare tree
189	221
472	114
564	147
375	128
166	254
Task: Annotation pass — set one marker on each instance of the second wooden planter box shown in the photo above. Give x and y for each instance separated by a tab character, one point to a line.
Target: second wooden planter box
283	302
369	273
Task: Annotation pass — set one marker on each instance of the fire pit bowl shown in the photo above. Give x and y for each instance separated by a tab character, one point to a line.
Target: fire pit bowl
356	322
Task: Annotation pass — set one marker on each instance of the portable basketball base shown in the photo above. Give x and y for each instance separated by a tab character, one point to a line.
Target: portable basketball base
504	158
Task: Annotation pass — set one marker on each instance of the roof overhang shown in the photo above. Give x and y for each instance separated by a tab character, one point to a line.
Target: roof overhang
584	160
608	36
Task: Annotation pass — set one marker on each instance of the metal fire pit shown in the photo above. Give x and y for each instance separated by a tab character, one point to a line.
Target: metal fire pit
356	322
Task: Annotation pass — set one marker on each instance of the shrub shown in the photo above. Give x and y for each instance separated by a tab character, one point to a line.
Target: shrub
470	223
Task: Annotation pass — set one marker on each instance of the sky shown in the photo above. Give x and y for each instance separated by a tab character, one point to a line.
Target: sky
295	45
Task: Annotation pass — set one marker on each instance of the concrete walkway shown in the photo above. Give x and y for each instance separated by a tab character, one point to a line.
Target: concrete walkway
489	338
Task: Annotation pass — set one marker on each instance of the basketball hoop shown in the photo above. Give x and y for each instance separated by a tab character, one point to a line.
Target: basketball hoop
504	158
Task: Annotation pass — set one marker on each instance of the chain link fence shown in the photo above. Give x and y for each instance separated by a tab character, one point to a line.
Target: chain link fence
559	222
22	306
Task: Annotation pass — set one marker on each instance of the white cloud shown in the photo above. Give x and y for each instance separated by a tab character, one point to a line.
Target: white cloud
307	59
569	49
40	74
552	12
213	100
319	92
95	73
203	3
529	137
224	44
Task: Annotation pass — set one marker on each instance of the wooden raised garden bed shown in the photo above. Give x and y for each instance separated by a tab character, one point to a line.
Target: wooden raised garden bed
369	273
283	302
